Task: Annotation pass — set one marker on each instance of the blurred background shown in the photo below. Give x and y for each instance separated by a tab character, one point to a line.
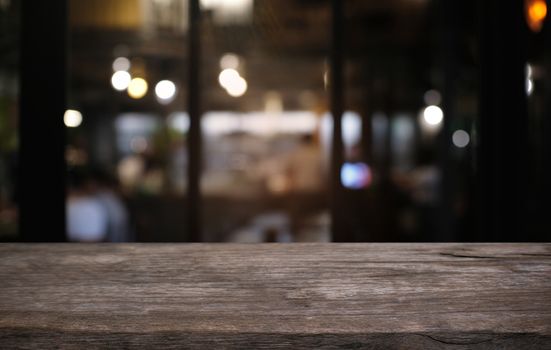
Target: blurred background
274	120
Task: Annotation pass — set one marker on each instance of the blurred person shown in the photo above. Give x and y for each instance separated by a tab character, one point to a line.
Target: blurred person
87	218
305	167
306	181
105	190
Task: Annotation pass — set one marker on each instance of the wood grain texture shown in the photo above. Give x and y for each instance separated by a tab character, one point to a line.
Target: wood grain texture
271	296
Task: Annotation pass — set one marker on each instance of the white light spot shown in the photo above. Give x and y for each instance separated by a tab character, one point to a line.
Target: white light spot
529	86
237	87
72	118
120	80
529	79
227	77
165	90
433	115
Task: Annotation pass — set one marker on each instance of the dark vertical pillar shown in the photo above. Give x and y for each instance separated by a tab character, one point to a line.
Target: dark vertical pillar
337	107
502	121
194	136
543	221
446	223
387	191
366	115
41	130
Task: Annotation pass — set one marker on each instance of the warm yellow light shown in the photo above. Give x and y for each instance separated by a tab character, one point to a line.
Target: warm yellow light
536	12
137	88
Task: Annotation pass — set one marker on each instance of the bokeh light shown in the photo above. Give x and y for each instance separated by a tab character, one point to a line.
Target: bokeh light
529	80
536	11
165	90
461	138
72	118
229	61
227	76
433	115
121	63
355	175
137	88
237	87
120	80
234	84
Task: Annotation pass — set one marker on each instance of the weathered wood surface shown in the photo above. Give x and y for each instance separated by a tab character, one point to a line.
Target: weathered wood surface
361	296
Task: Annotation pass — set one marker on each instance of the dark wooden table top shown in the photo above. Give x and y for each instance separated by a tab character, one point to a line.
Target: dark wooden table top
372	296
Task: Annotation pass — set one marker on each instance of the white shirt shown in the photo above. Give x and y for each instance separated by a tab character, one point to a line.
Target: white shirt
86	220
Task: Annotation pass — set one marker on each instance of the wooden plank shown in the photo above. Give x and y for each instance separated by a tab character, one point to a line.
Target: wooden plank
363	296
